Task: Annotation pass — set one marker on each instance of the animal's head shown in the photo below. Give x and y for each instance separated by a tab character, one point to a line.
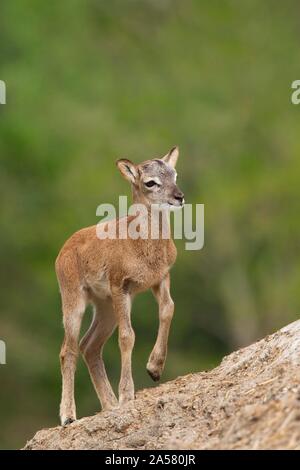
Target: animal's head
154	181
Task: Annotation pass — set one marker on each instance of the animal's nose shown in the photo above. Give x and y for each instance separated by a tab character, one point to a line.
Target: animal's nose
179	195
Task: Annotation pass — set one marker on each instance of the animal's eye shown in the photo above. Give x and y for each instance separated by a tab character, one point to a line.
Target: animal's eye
149	184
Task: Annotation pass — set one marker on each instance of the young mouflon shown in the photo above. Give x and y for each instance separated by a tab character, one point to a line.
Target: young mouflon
108	273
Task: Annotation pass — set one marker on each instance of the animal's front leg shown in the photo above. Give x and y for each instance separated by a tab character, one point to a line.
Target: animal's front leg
158	355
122	306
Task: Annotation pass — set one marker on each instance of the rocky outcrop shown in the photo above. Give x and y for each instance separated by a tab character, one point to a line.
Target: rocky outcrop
251	401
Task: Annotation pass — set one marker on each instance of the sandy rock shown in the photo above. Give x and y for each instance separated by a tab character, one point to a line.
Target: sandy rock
251	401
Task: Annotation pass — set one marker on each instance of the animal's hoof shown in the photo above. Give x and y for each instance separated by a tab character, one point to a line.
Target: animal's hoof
68	421
154	375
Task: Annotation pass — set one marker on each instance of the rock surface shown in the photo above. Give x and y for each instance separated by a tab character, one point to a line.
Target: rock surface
251	401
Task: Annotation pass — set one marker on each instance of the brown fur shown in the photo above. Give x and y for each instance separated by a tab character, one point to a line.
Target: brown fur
107	274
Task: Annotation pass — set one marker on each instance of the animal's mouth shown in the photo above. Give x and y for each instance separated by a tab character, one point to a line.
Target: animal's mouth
180	204
175	206
171	206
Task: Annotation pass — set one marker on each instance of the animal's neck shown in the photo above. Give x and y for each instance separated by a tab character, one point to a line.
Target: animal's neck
155	220
137	197
159	222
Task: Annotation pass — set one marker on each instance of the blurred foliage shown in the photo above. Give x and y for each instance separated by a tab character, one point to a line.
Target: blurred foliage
89	81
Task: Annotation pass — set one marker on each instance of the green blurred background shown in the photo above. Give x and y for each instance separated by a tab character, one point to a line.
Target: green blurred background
89	81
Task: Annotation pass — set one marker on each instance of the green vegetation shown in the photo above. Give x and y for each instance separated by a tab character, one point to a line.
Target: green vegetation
89	81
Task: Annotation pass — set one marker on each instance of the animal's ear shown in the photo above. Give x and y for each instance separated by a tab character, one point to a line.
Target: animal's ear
172	157
127	169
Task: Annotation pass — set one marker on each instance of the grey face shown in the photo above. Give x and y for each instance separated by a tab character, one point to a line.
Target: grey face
157	181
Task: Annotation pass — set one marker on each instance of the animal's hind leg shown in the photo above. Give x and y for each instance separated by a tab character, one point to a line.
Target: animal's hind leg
91	346
73	312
